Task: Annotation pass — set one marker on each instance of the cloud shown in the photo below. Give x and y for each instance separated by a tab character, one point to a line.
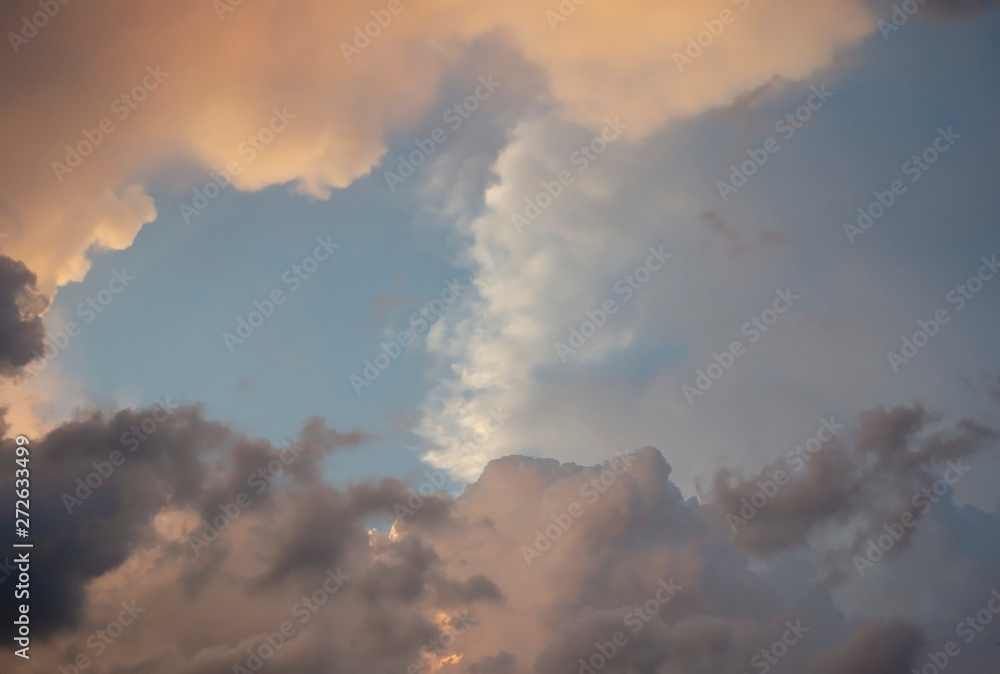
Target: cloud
22	334
888	647
722	230
867	480
220	76
500	341
450	593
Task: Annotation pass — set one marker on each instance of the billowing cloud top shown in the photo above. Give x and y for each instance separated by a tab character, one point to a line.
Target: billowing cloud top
205	76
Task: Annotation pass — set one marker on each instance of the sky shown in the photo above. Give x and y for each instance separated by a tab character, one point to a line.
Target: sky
510	322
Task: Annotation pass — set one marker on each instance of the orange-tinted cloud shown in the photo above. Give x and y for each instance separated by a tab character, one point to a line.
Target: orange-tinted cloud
228	70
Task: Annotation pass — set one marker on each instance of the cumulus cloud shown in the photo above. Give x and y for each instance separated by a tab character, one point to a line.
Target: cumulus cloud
22	334
534	567
103	480
873	476
539	566
500	340
220	75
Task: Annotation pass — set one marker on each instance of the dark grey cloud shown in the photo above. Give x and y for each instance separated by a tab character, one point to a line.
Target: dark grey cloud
887	647
89	515
22	334
501	663
869	476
